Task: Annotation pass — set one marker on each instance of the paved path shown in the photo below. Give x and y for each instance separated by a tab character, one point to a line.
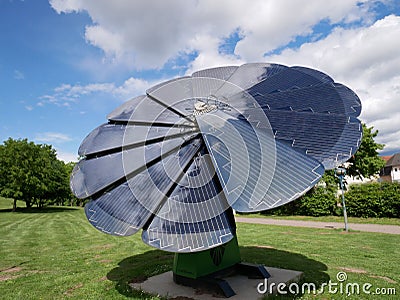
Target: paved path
393	229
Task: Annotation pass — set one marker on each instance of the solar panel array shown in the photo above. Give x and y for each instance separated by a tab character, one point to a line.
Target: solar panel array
176	161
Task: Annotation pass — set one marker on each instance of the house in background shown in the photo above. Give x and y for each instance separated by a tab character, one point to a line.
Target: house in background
391	171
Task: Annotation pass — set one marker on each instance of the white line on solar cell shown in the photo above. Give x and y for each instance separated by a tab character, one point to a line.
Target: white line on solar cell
209	213
197	195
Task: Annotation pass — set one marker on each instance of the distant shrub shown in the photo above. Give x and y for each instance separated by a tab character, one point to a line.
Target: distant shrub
362	200
319	201
374	200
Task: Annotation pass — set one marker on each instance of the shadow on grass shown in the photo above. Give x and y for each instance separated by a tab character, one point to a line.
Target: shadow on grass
49	209
139	267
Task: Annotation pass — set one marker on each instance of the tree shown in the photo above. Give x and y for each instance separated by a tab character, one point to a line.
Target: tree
72	200
366	162
31	173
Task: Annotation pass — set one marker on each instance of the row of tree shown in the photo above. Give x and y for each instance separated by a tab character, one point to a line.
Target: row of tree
32	173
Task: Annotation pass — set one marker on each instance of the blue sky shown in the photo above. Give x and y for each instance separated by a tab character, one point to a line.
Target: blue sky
65	64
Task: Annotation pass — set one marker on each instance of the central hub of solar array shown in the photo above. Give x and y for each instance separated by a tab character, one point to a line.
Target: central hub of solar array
201	107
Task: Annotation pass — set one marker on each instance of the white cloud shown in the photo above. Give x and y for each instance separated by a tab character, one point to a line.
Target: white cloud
131	88
67	156
66	94
111	43
52	137
148	33
66	6
209	56
74	91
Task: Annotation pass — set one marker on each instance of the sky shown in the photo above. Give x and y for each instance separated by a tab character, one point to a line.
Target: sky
65	64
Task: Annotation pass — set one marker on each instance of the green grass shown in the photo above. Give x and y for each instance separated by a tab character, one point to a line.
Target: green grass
382	221
6	204
57	254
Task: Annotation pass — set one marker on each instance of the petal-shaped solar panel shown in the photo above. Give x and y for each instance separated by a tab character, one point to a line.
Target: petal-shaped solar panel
176	161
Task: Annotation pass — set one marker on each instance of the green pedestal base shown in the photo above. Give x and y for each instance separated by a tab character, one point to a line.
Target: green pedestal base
206	269
203	263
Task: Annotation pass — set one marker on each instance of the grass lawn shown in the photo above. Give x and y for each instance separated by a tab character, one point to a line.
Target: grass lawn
57	254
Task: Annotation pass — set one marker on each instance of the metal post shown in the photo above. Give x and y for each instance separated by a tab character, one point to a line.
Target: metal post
346	227
340	173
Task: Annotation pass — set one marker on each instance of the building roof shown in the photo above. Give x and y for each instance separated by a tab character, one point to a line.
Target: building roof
386	158
394	160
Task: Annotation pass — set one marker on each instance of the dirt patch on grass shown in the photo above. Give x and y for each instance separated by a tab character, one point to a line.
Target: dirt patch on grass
105	261
106	246
390	280
8	277
71	290
104	278
353	270
366	247
6	273
11	270
37	272
263	246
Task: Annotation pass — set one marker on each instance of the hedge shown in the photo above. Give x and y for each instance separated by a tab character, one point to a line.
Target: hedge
362	200
317	202
374	200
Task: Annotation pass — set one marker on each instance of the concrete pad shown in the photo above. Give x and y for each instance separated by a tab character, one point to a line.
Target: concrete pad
245	288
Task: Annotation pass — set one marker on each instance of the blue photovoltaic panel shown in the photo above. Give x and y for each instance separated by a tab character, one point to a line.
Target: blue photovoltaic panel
248	75
125	209
110	137
330	138
295	173
220	72
194	216
176	161
263	185
314	73
145	110
245	183
188	237
93	175
198	196
329	98
181	94
124	112
157	86
171	92
285	80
